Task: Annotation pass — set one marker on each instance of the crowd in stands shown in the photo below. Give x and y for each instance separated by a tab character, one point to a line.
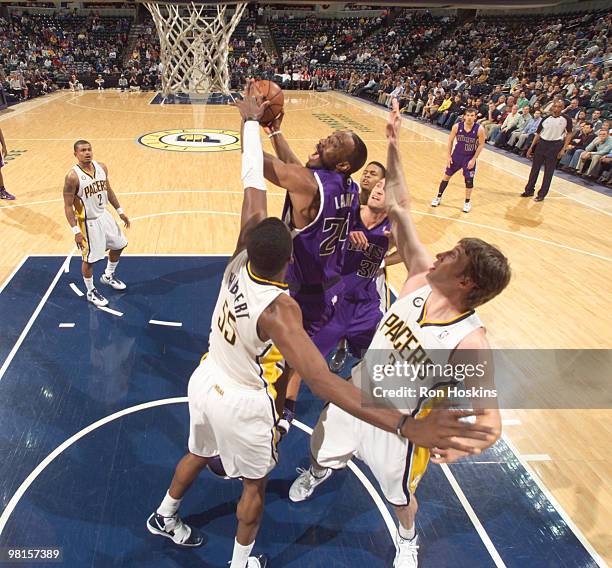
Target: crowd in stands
510	68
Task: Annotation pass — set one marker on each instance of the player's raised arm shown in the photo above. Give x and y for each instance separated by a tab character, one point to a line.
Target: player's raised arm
295	178
254	203
279	142
281	321
71	184
397	199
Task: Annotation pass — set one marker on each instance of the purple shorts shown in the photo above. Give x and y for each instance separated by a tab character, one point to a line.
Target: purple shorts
460	163
318	309
354	320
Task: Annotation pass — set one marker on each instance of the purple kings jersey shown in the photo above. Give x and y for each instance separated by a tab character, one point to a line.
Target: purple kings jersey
318	248
361	266
466	142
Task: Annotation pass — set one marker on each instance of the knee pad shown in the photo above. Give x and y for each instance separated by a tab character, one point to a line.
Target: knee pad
469	183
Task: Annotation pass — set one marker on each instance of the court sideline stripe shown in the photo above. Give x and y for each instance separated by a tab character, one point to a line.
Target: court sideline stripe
486	539
560	510
29	480
33	317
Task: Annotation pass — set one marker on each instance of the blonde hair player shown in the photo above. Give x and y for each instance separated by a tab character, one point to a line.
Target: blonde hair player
434	315
86	194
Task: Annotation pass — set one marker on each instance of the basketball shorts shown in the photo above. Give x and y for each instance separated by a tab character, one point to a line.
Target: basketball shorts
397	464
231	421
355	320
461	163
101	234
319	308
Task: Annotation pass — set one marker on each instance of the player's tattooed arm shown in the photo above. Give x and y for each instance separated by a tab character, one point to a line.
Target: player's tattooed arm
282	323
397	201
71	184
112	199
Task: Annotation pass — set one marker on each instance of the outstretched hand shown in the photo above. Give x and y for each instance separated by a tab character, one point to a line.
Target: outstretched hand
251	107
394	122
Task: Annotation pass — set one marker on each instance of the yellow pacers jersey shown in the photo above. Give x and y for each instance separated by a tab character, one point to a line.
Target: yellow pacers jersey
235	348
406	335
92	192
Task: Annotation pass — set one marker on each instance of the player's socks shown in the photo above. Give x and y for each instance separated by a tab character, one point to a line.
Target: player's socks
240	556
442	188
88	283
406	534
110	268
169	506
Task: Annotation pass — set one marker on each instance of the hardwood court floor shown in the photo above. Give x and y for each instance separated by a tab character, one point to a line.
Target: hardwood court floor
188	202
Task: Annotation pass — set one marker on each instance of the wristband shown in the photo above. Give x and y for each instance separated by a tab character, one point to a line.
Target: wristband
275	133
76	230
401	425
119	210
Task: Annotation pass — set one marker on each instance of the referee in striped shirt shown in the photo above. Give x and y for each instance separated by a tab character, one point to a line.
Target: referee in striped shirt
550	142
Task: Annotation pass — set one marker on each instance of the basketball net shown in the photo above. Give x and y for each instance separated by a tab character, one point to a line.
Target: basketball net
194	40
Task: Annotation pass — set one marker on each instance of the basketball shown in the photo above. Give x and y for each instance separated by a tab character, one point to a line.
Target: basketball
270	91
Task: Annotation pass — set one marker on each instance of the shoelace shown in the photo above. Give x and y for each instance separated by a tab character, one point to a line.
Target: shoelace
305	480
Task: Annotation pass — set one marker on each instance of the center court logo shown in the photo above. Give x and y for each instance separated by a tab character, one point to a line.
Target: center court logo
192	140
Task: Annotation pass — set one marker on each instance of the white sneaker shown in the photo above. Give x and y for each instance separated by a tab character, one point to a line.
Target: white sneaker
259	561
407	553
303	487
112	282
467	207
96	298
175	529
436	201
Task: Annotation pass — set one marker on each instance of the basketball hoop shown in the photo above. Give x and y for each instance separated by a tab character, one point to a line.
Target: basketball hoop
194	41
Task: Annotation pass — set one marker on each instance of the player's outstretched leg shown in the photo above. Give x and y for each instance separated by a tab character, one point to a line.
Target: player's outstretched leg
443	185
407	546
165	520
109	277
249	512
308	480
93	295
3	193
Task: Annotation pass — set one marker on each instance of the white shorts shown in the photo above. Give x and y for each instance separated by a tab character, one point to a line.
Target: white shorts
101	234
396	463
235	423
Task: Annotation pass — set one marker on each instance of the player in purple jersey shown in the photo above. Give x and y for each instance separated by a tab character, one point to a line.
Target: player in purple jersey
371	175
320	209
469	138
358	312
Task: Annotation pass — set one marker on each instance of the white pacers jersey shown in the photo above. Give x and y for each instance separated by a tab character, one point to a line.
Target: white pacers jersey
92	192
235	348
405	334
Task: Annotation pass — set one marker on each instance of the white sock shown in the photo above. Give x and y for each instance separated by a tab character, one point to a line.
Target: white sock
317	471
406	534
110	267
240	556
169	506
88	283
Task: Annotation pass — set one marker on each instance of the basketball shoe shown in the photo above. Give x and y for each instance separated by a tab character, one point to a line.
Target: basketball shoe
112	281
303	487
96	298
467	207
436	201
407	553
174	529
